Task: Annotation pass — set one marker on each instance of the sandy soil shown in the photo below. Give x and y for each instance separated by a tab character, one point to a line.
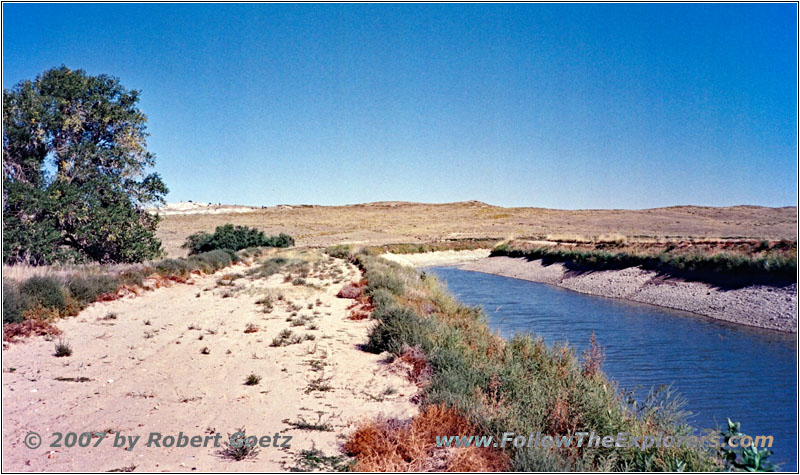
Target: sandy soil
761	306
147	373
391	222
437	258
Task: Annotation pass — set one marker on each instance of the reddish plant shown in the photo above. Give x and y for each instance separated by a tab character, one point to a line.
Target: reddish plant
390	445
350	291
13	331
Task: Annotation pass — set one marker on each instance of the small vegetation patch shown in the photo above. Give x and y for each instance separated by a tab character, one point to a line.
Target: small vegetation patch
252	379
286	337
62	349
319	384
315	460
350	291
240	451
303	424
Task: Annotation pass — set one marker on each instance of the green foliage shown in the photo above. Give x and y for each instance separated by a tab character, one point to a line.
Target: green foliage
749	459
174	267
213	260
45	291
85	289
89	131
13	303
235	238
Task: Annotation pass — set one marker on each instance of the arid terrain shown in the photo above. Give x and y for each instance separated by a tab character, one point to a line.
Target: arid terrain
175	359
388	222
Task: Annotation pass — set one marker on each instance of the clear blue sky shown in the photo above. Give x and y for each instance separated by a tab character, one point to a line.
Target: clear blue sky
561	105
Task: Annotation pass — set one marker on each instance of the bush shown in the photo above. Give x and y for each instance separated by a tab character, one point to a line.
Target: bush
45	291
340	251
85	289
384	280
13	303
397	328
173	267
213	260
349	291
235	238
62	349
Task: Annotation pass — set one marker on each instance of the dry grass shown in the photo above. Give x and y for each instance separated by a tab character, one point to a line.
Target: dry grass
21	272
389	445
383	223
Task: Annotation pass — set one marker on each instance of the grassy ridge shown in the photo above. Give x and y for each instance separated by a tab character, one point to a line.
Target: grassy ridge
518	385
769	263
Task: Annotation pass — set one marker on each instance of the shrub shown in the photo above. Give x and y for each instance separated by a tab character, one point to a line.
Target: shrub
63	349
252	379
13	303
399	327
349	291
173	267
235	238
12	331
340	251
45	291
212	261
242	450
384	280
85	289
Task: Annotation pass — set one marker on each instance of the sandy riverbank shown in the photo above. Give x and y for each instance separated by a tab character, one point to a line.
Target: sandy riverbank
438	258
175	360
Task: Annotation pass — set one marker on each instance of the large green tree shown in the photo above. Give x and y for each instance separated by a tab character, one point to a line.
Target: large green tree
76	172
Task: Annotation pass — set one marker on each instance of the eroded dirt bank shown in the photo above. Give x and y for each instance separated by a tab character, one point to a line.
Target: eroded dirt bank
176	360
762	306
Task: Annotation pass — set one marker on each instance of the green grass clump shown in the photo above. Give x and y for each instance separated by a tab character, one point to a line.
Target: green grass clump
45	291
213	261
252	379
13	303
173	267
233	237
62	349
85	289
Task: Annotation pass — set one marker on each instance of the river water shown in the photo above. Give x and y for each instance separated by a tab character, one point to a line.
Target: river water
721	370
